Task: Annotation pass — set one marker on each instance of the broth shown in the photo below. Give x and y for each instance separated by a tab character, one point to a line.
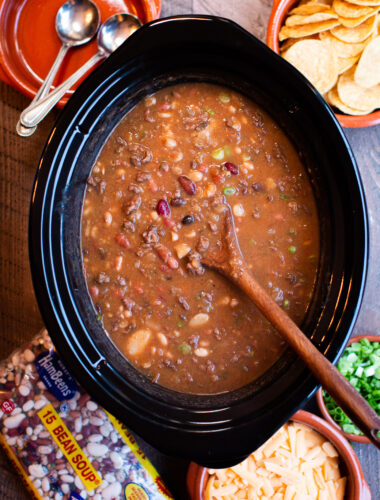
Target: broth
152	207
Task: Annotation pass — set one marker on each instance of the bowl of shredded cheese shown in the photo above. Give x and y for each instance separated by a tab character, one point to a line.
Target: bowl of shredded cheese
306	459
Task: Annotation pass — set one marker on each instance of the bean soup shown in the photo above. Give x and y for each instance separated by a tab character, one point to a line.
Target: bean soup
153	205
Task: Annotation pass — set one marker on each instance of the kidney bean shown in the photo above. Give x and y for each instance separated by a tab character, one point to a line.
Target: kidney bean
163	208
188	185
231	167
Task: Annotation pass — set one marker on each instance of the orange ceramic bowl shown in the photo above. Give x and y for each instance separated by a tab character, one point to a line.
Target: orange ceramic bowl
357	487
277	18
29	43
321	401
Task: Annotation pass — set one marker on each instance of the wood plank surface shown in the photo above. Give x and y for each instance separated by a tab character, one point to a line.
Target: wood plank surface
19	315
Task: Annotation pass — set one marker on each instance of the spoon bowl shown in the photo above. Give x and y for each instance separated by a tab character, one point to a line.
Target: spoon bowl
77	22
116	30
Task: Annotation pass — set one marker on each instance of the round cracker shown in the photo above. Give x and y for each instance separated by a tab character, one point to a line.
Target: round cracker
367	73
357	34
306	29
313	18
308	9
342	49
348	9
345	63
355	96
351	22
316	61
333	99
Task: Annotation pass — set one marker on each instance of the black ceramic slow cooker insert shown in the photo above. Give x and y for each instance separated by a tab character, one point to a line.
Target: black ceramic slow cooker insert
213	430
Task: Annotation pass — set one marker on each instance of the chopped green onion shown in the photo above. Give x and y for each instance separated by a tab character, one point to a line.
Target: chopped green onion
292	232
224	97
210	112
228	191
360	364
218	154
254	242
180	324
99	317
284	196
286	304
246	157
185	348
359	371
292	249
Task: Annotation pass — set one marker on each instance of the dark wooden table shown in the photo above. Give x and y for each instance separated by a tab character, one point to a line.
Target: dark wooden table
19	315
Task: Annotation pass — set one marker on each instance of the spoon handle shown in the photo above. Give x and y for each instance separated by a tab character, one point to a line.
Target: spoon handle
44	89
37	112
345	395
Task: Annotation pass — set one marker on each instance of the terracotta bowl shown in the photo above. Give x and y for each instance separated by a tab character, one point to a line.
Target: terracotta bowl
279	12
357	487
322	406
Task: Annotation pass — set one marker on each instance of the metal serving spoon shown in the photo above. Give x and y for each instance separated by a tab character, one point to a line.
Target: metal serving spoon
76	23
229	261
111	35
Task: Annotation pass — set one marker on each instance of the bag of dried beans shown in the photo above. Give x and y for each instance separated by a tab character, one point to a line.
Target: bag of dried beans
64	445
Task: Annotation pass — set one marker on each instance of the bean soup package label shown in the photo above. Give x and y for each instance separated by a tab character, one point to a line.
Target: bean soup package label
64	445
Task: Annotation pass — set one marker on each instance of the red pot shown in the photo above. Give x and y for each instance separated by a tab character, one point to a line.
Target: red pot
357	487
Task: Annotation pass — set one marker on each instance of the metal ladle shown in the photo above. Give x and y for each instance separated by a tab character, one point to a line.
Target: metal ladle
111	35
76	23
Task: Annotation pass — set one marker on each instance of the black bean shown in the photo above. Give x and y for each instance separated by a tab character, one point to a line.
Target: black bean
188	219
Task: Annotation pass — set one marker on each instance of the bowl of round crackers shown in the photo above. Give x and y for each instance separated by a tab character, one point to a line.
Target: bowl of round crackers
336	45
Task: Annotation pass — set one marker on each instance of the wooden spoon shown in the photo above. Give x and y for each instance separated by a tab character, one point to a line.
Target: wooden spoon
229	261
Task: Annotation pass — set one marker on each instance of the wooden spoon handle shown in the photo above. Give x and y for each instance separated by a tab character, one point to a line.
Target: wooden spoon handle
345	395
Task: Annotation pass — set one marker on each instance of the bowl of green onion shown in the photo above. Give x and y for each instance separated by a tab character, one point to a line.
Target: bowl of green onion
360	364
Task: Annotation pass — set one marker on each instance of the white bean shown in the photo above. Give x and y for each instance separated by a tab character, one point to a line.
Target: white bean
199	319
162	338
37	470
91	405
24	390
28	405
95	438
45	484
137	341
67	478
97	450
238	210
201	352
14	421
111	491
116	460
